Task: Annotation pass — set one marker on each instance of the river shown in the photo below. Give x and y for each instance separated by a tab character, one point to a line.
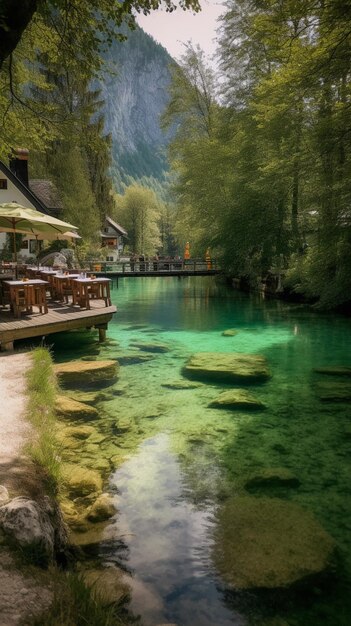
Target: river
180	460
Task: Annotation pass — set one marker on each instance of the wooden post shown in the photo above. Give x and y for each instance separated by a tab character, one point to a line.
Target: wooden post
102	335
7	346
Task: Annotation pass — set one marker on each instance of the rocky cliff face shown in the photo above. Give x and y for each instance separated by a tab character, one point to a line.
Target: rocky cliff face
135	94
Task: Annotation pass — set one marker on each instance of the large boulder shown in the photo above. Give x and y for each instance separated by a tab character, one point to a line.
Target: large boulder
86	372
227	367
81	481
72	409
269	543
29	525
237	399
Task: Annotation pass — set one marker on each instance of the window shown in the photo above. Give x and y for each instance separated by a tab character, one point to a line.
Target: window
3	183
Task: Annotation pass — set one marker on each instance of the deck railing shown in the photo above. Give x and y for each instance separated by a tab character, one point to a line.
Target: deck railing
153	265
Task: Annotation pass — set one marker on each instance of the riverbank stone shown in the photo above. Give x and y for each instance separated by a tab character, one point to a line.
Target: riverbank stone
230	332
86	372
269	543
28	525
134	358
237	399
72	409
227	367
272	477
81	481
108	584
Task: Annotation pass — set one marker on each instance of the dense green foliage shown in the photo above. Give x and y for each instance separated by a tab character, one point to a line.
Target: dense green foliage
139	210
264	177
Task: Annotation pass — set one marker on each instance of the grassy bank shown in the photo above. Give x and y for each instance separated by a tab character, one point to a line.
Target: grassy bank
74	604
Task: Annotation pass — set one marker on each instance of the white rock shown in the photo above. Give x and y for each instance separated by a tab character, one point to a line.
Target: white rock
27	523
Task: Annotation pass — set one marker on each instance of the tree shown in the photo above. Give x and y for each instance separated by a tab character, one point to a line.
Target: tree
139	212
81	24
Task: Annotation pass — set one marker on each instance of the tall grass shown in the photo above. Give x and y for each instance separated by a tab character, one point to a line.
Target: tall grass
42	388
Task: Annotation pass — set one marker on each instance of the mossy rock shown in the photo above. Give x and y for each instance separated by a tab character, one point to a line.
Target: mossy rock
230	332
123	425
79	432
333	391
335	370
86	372
72	517
72	409
181	384
102	509
237	399
227	367
150	347
92	397
271	477
108	584
81	481
269	543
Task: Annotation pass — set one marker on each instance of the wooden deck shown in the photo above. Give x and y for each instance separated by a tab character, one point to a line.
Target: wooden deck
60	317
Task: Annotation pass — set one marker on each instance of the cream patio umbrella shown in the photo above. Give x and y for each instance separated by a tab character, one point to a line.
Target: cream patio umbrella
16	218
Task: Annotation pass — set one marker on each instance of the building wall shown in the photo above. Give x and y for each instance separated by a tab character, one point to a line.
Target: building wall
11	194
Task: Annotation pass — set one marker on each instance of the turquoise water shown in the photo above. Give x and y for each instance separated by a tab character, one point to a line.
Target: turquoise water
178	460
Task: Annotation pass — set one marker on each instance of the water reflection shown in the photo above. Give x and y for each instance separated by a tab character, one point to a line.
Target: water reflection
168	540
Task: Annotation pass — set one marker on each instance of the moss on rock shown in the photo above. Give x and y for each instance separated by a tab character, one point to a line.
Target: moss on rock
69	408
81	481
237	399
108	584
269	543
227	367
86	372
102	509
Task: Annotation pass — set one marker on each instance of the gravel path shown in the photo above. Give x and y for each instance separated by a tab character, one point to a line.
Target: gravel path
20	596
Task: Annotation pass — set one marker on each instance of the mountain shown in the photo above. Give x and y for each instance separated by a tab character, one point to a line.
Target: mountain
134	88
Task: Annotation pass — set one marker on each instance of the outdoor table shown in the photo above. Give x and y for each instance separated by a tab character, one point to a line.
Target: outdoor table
86	289
62	284
24	294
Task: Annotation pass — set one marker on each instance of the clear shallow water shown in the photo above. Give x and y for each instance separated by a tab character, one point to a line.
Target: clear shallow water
180	459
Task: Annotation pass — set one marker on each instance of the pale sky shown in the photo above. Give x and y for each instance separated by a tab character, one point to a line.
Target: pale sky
172	30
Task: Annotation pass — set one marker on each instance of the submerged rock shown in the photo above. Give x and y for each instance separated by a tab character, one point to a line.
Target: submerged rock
69	408
81	481
272	477
134	358
227	367
237	399
269	543
150	347
92	397
230	332
181	384
102	509
333	391
334	370
86	372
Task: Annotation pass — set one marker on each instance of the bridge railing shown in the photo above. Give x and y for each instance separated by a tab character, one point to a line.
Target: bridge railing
153	265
